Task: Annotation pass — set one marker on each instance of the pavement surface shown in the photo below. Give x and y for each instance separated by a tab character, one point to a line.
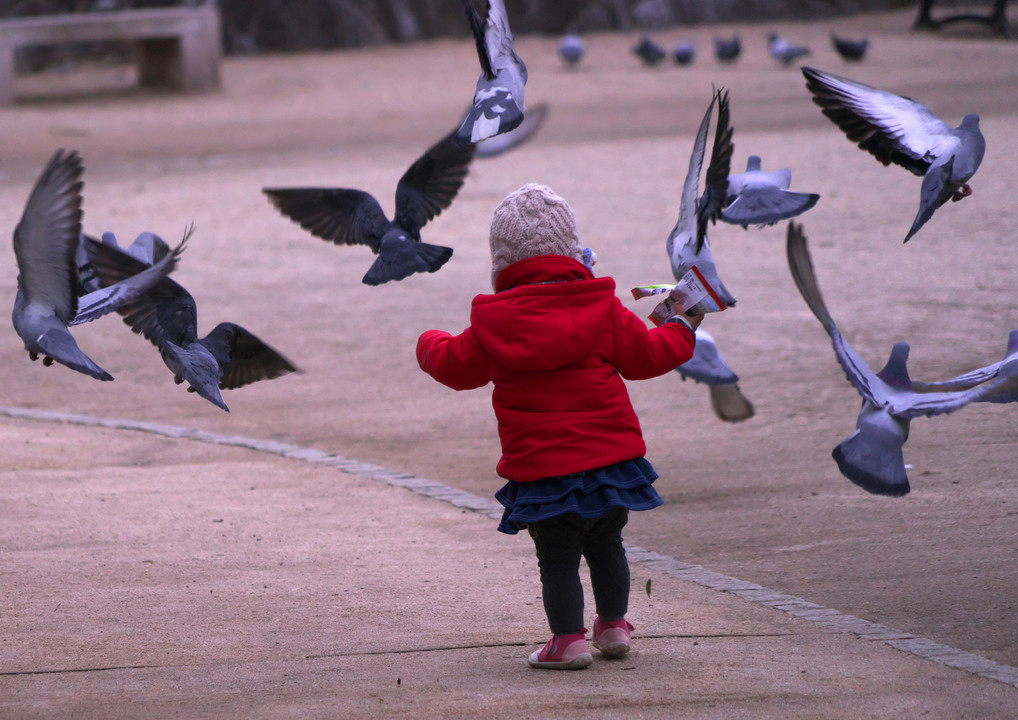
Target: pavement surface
178	573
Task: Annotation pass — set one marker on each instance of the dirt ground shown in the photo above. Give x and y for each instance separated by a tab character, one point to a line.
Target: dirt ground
762	500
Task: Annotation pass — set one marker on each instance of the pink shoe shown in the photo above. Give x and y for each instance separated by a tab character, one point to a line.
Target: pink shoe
612	638
563	652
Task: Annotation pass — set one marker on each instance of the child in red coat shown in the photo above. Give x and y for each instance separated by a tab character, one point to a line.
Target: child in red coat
556	343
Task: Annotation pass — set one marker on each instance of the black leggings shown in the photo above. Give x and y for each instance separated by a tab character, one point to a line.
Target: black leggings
560	541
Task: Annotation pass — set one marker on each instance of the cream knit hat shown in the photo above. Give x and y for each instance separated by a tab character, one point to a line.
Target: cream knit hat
529	222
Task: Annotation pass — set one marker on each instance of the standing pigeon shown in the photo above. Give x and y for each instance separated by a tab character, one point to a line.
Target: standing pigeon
50	297
498	98
756	197
571	49
354	217
850	50
727	50
897	129
783	51
683	52
871	457
228	357
649	52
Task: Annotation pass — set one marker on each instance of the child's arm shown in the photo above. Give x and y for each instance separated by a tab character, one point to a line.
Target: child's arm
458	361
642	353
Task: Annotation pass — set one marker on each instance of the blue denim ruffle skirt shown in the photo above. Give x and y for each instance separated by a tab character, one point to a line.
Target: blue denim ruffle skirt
590	494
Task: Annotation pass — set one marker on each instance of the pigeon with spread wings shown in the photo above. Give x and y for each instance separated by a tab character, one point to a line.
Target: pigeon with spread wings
498	97
897	129
50	297
167	316
760	197
354	217
871	457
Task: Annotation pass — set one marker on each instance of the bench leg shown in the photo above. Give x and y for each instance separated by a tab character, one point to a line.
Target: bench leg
159	63
6	74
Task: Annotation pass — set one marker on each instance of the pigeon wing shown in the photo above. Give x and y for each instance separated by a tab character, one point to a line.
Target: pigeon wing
892	128
430	184
685	230
243	357
46	238
339	215
477	29
708	207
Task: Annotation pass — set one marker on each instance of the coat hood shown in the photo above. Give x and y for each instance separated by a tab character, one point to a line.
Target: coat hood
550	312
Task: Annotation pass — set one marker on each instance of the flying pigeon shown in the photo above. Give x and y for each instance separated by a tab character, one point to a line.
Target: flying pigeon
571	49
505	142
871	457
1004	373
850	50
649	51
784	51
897	129
683	52
498	98
707	366
167	316
727	50
354	217
756	197
50	297
686	245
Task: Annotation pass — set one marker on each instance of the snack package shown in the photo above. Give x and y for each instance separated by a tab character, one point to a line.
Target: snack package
693	294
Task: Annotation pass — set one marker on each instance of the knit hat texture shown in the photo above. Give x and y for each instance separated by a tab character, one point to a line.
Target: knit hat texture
529	222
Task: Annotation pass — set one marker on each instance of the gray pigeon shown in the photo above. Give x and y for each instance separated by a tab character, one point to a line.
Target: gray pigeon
850	50
498	98
708	367
50	297
683	52
495	146
897	129
354	217
757	197
228	357
871	457
1003	373
571	49
649	52
727	50
686	245
783	51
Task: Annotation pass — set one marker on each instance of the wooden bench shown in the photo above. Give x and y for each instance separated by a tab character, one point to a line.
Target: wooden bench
179	47
996	20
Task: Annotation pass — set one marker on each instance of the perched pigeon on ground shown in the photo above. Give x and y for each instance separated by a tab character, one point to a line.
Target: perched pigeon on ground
784	51
353	217
505	142
897	129
50	297
756	197
649	51
498	98
683	52
1004	373
708	367
228	357
727	50
686	245
571	49
850	50
871	457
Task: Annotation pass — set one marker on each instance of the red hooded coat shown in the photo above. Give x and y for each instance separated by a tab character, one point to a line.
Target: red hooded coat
556	343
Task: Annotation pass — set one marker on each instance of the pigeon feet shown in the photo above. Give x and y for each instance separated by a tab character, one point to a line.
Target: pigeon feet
33	356
177	379
47	361
963	191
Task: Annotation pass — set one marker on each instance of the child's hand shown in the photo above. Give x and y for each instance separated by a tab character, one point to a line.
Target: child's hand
693	320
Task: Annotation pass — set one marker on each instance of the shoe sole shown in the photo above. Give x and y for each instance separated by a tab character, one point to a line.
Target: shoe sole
613	649
577	663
